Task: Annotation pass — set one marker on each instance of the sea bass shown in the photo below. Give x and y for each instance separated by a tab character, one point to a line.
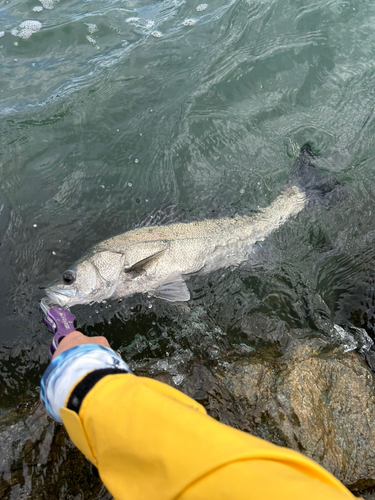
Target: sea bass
157	259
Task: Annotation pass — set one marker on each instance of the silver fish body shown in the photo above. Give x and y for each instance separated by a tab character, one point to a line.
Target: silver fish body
157	259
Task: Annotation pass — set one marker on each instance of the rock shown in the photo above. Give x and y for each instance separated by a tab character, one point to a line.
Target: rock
39	461
313	399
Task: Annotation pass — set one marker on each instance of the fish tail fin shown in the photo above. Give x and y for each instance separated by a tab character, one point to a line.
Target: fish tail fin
319	187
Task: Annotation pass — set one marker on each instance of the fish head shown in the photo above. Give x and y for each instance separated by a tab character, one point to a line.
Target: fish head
92	279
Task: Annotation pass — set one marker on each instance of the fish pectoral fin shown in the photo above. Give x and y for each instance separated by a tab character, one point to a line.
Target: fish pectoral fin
142	264
174	290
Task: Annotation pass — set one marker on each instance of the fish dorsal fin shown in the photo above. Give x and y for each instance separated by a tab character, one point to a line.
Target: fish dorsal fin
142	264
174	289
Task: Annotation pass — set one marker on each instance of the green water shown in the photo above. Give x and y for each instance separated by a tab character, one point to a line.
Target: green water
119	113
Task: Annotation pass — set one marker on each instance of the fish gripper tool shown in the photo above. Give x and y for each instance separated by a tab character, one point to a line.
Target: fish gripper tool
59	320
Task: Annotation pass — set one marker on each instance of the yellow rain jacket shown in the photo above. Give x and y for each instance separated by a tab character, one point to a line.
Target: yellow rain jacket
151	442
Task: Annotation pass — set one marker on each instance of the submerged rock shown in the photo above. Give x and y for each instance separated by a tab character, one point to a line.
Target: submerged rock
314	399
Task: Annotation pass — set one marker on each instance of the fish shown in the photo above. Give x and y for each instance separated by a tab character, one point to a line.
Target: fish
157	260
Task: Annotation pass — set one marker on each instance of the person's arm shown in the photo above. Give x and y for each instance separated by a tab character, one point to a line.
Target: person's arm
150	441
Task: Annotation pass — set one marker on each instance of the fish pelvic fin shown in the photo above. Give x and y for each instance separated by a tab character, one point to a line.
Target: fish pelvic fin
174	289
320	187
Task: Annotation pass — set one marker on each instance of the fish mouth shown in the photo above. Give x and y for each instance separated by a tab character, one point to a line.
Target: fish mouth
59	296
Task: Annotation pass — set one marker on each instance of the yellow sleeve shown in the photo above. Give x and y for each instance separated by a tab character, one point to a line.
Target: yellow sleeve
150	441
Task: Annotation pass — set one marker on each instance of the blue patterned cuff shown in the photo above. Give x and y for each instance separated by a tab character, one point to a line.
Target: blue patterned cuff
69	367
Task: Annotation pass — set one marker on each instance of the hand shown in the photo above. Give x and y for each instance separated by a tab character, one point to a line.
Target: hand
77	338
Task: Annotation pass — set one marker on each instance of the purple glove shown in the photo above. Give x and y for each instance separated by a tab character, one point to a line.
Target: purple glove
60	321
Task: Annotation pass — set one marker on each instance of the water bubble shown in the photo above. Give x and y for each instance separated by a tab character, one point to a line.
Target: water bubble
15	44
201	7
141	134
130	184
150	306
136	160
48	4
156	34
102	186
91	27
35	225
189	22
15	59
38	8
2	33
26	29
242	191
53	252
146	200
118	130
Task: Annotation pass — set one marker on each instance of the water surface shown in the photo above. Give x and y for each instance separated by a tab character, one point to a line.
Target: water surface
115	114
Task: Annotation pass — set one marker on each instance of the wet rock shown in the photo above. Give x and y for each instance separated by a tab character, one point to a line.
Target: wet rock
39	461
314	399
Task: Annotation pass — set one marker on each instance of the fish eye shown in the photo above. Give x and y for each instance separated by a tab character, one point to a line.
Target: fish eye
69	277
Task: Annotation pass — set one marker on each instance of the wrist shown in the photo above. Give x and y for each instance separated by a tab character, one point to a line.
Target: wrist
69	367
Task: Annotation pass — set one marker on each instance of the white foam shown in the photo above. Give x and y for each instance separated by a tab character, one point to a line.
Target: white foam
146	24
91	27
91	39
38	8
2	33
26	29
189	22
48	4
156	34
201	7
